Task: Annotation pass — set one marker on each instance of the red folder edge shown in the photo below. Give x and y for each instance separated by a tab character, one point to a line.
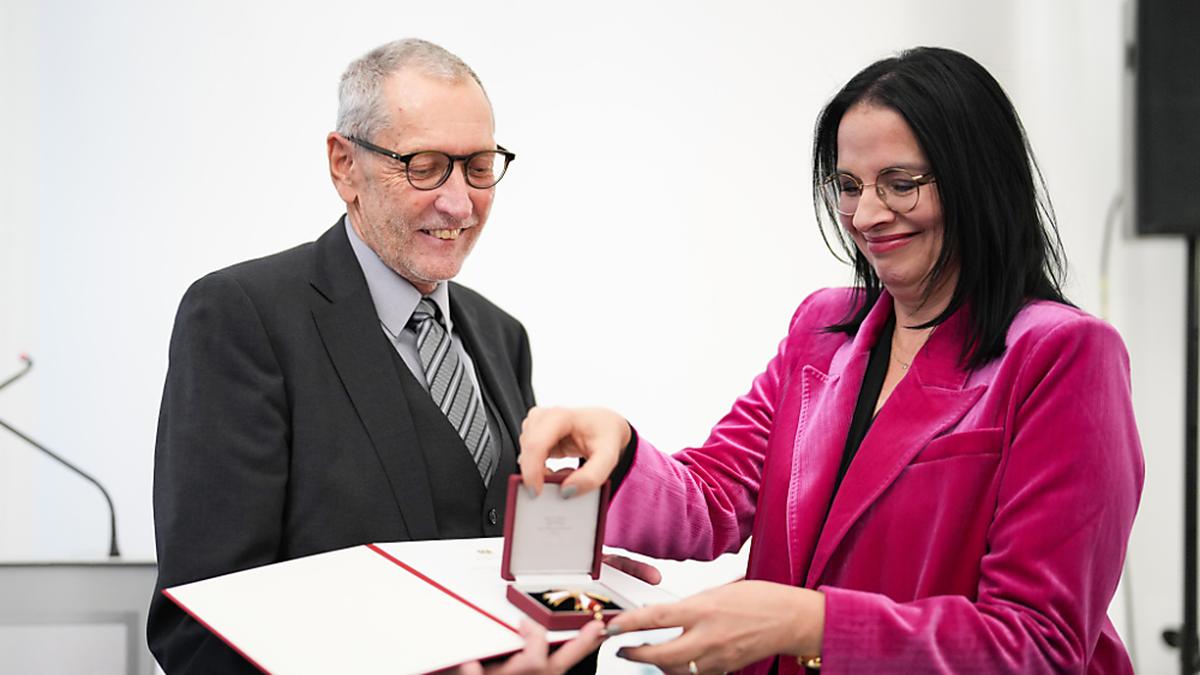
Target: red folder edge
440	587
214	631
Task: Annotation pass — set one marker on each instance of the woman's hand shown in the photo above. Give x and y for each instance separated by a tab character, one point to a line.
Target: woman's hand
536	658
596	434
728	627
634	568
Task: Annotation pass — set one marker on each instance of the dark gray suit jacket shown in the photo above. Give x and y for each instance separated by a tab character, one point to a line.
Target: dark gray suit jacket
289	426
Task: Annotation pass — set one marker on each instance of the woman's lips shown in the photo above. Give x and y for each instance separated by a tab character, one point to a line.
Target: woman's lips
888	242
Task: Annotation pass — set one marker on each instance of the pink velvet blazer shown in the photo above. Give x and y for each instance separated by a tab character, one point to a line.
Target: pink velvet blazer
982	526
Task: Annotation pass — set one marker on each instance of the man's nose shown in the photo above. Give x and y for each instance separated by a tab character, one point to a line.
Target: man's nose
454	196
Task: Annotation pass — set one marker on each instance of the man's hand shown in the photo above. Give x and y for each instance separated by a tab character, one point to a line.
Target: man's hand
535	658
595	434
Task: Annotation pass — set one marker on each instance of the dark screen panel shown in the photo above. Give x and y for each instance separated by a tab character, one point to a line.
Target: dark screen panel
1167	127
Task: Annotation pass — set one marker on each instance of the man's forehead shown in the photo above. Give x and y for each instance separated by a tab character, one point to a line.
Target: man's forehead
412	89
438	109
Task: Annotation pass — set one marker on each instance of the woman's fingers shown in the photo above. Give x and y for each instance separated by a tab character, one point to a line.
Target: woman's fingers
673	656
655	616
635	568
540	433
727	627
595	434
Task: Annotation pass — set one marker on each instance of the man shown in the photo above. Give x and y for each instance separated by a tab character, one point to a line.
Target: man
343	391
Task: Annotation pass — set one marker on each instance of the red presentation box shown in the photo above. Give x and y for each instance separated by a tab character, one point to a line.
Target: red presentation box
552	554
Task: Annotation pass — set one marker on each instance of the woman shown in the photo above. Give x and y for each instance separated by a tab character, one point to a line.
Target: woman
940	466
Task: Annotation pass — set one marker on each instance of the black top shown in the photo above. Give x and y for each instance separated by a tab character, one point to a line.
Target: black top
864	410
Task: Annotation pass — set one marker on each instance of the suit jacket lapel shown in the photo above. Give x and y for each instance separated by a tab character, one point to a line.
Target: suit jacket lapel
349	327
497	389
928	401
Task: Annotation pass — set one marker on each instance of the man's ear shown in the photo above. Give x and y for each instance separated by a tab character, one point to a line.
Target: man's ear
341	166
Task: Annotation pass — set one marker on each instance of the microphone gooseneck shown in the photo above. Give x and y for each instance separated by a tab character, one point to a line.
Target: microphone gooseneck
113	551
20	373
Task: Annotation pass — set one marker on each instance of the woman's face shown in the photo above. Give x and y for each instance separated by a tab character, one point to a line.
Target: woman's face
901	247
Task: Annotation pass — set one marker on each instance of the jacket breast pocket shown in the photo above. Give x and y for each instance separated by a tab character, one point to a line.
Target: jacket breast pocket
963	444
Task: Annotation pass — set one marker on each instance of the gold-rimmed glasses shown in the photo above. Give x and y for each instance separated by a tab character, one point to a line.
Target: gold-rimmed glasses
898	189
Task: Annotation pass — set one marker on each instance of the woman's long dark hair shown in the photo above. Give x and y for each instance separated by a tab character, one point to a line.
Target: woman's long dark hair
999	229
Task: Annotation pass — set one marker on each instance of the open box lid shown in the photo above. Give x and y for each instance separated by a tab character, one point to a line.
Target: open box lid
549	535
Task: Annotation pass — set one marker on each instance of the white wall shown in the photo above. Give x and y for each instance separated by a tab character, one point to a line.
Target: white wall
151	142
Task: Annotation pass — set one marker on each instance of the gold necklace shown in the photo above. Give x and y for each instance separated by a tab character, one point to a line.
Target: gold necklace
905	365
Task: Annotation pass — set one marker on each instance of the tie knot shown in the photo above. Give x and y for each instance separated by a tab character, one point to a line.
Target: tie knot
426	309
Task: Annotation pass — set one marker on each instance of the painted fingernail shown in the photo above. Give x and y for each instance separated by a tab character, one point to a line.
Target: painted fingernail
569	492
611	630
623	653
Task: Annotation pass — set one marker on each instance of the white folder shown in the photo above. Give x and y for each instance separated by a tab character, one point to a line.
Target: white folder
407	607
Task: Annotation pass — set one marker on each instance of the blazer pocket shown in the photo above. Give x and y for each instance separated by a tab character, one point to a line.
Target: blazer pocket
962	444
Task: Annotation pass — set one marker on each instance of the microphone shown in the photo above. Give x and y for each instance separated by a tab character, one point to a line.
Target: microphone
113	551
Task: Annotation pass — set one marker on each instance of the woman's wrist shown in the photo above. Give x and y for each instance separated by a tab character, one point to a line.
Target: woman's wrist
806	625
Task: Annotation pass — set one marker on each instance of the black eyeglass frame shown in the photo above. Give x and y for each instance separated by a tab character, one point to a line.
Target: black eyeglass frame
454	159
919	179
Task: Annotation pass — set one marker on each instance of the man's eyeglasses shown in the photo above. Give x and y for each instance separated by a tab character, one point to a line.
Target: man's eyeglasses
429	169
898	189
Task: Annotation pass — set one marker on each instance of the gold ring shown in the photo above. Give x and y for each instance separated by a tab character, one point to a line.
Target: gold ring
692	668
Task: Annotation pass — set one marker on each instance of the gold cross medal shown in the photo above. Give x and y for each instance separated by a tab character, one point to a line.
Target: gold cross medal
583	601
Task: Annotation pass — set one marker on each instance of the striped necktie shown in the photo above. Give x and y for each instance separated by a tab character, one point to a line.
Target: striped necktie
451	387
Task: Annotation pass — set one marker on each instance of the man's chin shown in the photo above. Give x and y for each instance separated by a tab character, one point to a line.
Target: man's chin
428	268
426	279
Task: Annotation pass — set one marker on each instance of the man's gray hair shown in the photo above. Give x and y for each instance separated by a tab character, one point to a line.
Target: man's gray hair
361	110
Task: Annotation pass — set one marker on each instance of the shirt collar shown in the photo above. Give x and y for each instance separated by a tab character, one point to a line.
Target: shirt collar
394	297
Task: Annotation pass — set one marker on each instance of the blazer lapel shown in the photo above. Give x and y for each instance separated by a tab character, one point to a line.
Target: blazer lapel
826	406
349	327
497	388
928	401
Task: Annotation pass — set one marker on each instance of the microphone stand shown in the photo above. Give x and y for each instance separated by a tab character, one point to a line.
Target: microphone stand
1188	645
113	551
